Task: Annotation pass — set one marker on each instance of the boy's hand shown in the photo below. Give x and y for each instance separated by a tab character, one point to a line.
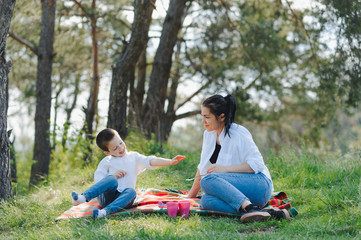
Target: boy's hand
119	173
177	159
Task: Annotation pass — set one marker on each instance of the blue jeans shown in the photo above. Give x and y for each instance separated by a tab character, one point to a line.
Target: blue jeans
109	197
226	192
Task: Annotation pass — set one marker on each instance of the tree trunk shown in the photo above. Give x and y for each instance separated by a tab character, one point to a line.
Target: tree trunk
69	110
5	176
123	72
6	12
92	109
12	159
140	90
154	115
137	92
42	149
170	115
56	107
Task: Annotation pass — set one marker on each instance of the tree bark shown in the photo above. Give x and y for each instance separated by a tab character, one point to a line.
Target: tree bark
92	109
42	148
137	97
137	92
140	89
56	108
170	115
69	111
154	117
6	12
123	71
12	159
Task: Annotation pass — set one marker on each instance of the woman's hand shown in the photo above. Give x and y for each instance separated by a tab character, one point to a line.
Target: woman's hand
215	168
177	159
119	173
196	186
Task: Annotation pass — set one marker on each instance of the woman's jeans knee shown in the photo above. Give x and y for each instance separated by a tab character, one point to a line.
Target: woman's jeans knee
227	191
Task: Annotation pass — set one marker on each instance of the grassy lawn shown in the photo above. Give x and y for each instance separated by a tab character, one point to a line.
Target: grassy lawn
325	189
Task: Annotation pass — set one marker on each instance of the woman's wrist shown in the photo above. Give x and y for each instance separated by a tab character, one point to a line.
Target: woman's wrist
228	169
192	193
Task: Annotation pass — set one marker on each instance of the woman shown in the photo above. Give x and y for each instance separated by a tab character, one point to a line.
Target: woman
231	172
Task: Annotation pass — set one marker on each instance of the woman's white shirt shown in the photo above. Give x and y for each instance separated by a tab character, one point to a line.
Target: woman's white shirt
132	163
236	149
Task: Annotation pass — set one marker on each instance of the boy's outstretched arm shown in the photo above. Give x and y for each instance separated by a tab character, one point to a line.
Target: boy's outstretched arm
166	162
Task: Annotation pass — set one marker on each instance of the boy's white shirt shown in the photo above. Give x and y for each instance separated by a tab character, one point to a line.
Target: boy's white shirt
132	163
237	149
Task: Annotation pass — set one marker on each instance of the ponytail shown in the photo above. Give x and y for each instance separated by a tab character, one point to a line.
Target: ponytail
218	104
231	111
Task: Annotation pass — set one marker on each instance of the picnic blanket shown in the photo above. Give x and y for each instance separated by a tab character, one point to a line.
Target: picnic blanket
147	202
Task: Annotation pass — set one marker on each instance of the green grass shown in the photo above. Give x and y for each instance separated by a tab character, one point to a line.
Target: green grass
324	188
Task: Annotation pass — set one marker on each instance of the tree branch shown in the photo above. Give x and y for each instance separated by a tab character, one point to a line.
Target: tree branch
187	114
307	34
82	8
198	69
27	44
253	82
194	94
236	28
124	23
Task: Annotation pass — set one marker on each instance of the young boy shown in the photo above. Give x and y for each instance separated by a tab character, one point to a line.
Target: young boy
116	174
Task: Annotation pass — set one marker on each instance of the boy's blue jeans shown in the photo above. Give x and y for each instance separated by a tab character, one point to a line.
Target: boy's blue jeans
109	197
226	192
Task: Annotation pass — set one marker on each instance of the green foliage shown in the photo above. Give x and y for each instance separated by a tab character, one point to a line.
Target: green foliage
25	23
344	17
285	58
79	152
188	137
23	167
137	142
72	63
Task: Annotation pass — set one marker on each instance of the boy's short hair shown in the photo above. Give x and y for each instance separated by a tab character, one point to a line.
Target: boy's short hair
104	137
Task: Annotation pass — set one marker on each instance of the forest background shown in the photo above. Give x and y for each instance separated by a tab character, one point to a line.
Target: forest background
293	69
142	67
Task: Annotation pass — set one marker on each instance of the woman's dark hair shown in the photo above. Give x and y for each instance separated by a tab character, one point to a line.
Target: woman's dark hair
218	104
104	137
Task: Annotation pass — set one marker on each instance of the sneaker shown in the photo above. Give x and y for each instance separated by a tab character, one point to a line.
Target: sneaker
95	213
77	199
253	213
99	213
74	197
279	214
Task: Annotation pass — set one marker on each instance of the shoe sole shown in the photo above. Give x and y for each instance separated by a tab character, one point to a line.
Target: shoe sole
255	217
287	214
